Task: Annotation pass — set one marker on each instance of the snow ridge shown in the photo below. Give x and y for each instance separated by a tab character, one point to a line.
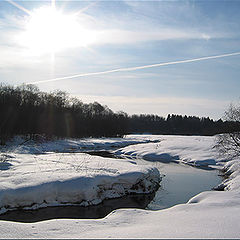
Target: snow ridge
53	179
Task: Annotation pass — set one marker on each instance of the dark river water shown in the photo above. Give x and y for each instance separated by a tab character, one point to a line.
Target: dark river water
178	185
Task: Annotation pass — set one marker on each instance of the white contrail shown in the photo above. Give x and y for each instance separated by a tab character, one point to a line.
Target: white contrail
135	68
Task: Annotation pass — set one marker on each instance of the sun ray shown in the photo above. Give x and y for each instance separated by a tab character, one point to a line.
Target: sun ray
85	8
49	29
52	63
53	3
19	6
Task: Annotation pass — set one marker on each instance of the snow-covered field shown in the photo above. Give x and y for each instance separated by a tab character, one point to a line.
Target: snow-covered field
50	178
211	214
21	145
193	150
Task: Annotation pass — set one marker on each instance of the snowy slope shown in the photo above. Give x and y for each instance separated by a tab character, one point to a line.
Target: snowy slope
52	179
209	215
192	150
20	145
212	214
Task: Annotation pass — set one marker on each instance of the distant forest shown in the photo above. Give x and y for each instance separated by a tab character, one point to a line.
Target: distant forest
25	110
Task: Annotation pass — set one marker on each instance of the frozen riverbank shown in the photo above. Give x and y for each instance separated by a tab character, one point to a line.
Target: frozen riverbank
55	179
21	145
196	151
210	214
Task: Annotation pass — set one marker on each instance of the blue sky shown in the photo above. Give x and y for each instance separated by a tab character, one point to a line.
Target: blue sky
37	44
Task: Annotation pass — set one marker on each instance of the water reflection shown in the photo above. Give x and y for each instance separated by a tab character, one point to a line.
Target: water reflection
102	153
76	212
181	182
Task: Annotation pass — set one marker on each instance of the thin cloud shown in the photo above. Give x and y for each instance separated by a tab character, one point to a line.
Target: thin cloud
135	68
121	36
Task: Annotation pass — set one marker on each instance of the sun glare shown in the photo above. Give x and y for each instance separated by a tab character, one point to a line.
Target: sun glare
48	30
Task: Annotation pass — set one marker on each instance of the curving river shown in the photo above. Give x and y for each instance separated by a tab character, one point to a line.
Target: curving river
178	185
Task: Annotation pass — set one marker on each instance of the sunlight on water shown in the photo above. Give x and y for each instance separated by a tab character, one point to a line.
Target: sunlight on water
180	183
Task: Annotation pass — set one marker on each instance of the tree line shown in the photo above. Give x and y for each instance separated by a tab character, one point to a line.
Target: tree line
180	125
25	110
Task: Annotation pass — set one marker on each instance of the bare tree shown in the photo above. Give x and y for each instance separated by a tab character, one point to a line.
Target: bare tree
229	142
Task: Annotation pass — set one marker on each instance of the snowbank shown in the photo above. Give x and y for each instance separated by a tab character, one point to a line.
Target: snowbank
232	171
20	145
212	214
193	150
52	179
209	215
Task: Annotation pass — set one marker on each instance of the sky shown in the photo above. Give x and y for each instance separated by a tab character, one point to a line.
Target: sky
76	46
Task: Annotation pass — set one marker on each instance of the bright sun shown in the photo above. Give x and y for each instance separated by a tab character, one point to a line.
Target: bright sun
48	31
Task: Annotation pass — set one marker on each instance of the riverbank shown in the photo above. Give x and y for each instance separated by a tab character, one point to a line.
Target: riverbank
32	181
211	214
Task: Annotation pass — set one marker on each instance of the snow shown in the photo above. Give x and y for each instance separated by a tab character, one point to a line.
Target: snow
210	214
53	179
20	145
192	150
